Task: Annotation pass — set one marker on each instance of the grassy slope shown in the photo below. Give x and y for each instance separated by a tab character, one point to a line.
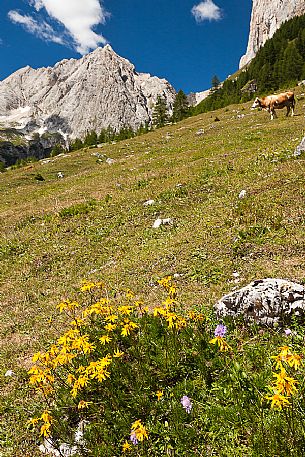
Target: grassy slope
194	179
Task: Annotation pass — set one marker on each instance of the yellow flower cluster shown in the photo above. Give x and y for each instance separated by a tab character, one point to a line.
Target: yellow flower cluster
46	419
286	356
139	431
173	319
283	386
169	286
95	370
89	285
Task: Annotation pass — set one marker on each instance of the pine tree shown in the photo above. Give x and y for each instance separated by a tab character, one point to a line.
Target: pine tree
293	63
160	113
76	145
57	149
90	139
180	108
215	83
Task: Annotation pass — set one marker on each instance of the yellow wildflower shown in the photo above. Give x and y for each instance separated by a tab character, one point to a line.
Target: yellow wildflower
129	294
138	431
104	339
70	378
110	327
165	282
87	286
221	342
67	305
294	361
159	394
84	404
285	384
277	400
33	421
126	447
125	310
77	322
128	327
118	354
112	318
46	426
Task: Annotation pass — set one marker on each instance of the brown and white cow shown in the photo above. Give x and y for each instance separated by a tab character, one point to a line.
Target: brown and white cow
273	102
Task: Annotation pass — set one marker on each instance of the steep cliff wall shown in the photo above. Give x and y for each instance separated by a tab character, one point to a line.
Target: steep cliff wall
266	18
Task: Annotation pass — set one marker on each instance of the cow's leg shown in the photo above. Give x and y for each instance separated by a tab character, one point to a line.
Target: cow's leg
292	110
288	110
273	113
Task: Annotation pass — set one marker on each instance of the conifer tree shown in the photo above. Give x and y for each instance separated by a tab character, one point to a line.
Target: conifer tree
180	108
76	145
90	139
215	83
160	113
292	64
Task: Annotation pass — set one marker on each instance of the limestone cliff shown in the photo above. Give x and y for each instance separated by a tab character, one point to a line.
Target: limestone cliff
266	18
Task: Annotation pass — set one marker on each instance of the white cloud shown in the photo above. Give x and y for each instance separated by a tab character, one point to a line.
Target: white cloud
79	17
41	29
206	11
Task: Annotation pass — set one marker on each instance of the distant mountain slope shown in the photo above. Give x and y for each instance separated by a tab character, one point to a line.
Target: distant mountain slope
267	16
279	64
76	96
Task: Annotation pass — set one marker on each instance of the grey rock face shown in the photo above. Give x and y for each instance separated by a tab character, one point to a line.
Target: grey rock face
76	96
265	301
266	18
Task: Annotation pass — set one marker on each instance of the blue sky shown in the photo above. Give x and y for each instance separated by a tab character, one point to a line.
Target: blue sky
184	41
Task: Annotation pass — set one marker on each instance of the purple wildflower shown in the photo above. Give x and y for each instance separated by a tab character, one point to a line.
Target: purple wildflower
220	330
133	438
186	403
287	331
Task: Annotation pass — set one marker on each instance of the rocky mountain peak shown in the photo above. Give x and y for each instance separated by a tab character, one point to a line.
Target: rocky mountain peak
267	16
78	95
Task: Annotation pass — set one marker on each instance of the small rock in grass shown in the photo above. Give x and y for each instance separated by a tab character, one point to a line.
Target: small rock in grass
157	223
242	194
149	203
300	148
200	132
110	161
9	373
60	175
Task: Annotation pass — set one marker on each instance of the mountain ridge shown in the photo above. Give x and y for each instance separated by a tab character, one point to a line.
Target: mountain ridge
73	100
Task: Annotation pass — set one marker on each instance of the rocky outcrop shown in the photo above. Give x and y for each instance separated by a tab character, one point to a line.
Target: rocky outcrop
15	146
265	301
75	96
266	18
194	98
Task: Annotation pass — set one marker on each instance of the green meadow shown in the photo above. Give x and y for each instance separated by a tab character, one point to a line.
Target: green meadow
92	225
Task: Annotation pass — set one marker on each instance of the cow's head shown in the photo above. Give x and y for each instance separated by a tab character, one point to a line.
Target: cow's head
256	103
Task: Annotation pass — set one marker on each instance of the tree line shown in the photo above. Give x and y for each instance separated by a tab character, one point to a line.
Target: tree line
160	117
